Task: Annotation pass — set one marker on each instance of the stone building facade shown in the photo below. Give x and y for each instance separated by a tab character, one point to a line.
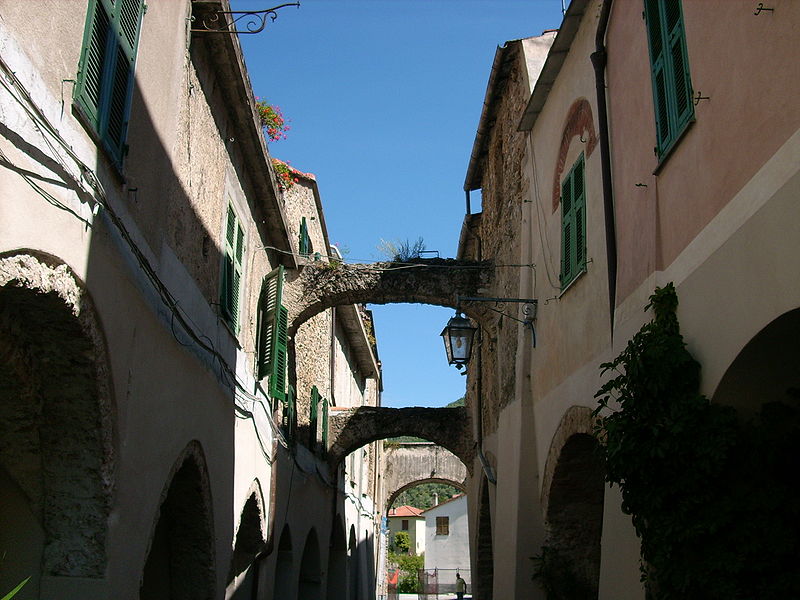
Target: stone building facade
143	440
573	191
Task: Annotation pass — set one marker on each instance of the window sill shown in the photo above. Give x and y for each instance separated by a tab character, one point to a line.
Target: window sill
662	160
580	274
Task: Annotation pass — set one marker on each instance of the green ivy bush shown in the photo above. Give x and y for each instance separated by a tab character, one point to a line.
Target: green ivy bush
713	498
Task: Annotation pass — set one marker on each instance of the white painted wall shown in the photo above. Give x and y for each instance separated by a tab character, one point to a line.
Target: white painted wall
447	551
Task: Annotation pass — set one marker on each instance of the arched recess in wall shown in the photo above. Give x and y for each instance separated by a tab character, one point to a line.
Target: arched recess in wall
309	586
766	369
353	569
250	541
250	533
337	562
573	502
284	566
483	584
56	424
579	123
180	561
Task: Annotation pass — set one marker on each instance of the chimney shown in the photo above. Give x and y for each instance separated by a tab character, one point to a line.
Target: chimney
435	499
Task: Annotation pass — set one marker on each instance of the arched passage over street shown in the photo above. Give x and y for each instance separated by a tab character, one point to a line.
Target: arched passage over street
428	281
352	428
411	464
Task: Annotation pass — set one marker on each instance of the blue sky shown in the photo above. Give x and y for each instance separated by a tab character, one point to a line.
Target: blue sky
384	98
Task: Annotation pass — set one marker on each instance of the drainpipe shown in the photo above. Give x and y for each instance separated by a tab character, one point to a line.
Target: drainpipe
487	468
599	59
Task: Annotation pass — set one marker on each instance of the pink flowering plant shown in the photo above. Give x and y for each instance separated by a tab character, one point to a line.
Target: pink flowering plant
272	120
287	176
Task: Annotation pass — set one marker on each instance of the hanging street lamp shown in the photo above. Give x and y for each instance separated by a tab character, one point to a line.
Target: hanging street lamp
457	335
458	332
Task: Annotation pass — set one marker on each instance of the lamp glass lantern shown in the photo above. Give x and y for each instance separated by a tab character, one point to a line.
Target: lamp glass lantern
457	336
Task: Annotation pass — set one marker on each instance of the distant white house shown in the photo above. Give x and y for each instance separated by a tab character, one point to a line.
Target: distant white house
446	536
410	520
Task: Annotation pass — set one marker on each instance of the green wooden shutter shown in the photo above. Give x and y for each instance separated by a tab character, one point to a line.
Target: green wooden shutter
277	380
567	230
683	109
92	63
268	303
106	70
672	87
573	223
232	269
304	242
579	211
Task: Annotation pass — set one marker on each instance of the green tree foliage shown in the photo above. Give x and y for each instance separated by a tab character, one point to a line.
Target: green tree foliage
402	542
713	498
422	495
454	403
409	566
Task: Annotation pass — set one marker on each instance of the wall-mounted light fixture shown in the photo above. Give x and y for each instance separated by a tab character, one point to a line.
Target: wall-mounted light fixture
459	332
229	21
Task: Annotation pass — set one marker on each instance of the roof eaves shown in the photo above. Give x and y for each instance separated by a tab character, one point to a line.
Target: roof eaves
225	53
494	89
552	66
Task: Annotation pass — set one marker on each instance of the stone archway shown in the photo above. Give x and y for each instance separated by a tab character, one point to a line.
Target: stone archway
573	495
428	281
409	465
352	428
180	561
56	423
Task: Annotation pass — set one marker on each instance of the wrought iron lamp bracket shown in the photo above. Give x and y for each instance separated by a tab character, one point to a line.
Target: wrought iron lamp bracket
228	21
529	308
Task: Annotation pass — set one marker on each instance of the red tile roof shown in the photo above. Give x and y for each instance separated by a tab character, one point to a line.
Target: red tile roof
405	511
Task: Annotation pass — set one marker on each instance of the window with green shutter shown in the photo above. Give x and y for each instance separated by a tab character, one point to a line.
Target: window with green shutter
305	241
669	63
106	70
573	224
230	290
272	335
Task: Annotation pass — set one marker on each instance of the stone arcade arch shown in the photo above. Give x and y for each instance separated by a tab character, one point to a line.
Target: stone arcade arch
56	424
250	541
350	429
284	567
337	562
353	559
180	561
309	586
408	465
574	491
766	369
